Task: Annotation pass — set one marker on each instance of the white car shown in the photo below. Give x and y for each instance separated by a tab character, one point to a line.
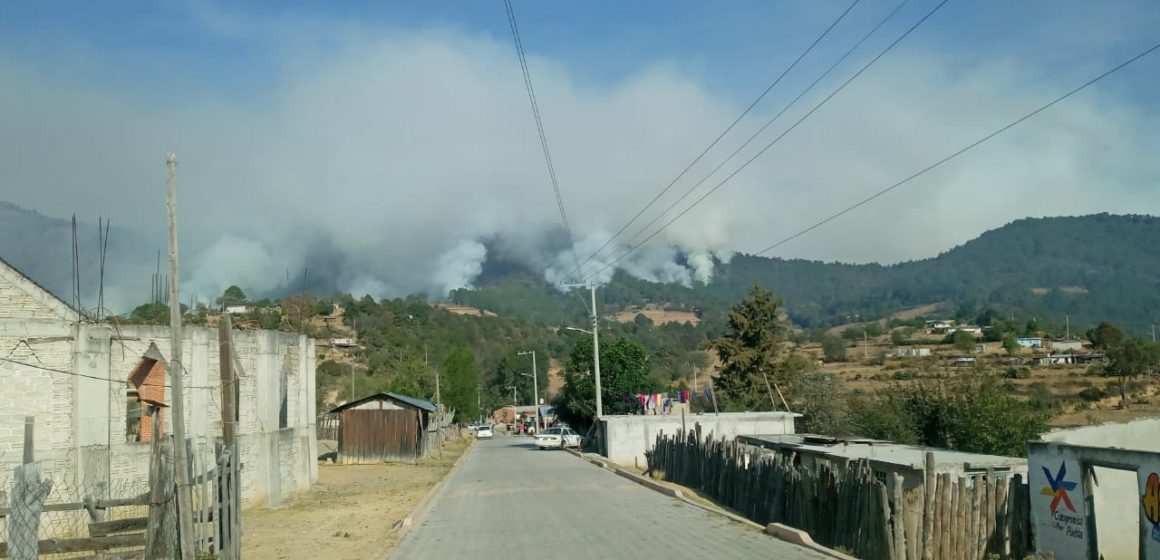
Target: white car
557	438
483	432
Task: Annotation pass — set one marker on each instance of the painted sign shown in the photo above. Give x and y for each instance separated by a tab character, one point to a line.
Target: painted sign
1057	505
1149	481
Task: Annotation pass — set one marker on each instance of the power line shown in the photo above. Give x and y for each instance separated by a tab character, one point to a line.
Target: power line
961	151
531	90
724	132
86	376
761	152
770	122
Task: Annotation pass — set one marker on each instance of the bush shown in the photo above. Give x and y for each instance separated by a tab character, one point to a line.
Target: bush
904	375
1017	373
1092	394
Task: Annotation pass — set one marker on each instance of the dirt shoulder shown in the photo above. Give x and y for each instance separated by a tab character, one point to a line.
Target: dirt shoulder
349	515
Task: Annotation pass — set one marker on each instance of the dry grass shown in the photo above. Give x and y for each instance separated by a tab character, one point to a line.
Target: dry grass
350	514
657	315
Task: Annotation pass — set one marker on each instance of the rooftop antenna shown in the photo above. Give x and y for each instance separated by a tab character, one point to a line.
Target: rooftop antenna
103	239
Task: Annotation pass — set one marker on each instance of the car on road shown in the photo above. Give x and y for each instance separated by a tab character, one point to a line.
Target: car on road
484	432
557	437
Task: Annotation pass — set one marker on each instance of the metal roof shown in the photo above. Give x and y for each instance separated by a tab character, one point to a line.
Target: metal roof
401	399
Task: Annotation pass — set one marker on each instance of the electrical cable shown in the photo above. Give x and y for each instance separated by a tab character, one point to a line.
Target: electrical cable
961	151
761	152
724	132
511	15
770	122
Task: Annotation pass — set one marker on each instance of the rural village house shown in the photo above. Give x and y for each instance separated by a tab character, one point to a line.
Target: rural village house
90	387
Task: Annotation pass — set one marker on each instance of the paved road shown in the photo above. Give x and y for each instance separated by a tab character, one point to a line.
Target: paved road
509	500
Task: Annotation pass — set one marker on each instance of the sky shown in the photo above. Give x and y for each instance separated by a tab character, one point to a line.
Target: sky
391	146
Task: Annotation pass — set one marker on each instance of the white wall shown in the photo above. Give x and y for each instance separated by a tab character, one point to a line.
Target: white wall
1116	496
630	436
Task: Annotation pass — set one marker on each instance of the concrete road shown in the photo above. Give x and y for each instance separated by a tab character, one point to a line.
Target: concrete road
509	500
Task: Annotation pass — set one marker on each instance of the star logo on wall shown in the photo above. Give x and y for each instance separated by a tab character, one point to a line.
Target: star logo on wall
1058	487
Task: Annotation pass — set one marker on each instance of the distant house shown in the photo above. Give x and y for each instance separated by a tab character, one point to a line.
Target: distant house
976	331
913	352
964	361
341	343
237	309
1067	344
384	427
1030	342
1090	358
1056	360
939	326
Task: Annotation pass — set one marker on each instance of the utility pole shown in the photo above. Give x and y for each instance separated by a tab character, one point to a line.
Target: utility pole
595	347
535	387
351	366
865	345
184	501
437	399
1067	328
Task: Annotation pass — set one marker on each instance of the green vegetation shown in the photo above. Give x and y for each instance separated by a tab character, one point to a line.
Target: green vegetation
750	351
975	412
459	383
623	374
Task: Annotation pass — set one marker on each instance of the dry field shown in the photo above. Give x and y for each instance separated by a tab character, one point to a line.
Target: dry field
658	315
349	515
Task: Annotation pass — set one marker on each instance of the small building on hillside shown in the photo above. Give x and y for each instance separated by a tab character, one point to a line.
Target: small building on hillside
1056	360
885	457
384	427
1067	345
1030	342
913	352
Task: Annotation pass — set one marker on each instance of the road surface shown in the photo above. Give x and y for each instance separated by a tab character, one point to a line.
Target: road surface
509	500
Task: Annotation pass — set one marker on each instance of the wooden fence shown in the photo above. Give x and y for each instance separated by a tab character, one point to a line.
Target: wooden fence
848	506
151	534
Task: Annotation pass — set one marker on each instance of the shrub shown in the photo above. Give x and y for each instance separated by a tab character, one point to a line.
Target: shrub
1092	394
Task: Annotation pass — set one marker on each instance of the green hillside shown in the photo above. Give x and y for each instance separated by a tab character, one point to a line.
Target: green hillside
1088	268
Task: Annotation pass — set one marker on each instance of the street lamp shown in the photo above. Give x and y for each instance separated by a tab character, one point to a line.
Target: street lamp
535	386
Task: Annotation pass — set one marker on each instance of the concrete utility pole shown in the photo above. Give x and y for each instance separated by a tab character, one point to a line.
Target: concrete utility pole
351	366
437	399
184	499
229	383
595	346
535	386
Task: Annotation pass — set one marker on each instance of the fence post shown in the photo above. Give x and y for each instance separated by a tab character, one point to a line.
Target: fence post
29	421
160	536
28	494
928	508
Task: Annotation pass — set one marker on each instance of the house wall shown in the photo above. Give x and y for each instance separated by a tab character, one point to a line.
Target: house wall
1118	528
629	437
80	409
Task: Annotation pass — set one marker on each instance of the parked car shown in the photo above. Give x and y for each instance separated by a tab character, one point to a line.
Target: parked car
484	432
557	438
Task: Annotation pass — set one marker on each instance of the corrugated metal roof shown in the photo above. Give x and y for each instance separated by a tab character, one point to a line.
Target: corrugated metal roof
401	399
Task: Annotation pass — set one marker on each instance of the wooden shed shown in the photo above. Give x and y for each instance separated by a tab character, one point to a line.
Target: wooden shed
384	427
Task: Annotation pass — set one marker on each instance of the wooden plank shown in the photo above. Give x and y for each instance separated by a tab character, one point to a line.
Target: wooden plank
58	546
105	528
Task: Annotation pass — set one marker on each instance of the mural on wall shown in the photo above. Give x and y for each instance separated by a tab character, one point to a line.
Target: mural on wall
1150	511
1057	509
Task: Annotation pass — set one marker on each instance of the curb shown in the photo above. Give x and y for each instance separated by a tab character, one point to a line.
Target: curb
403	526
776	530
802	539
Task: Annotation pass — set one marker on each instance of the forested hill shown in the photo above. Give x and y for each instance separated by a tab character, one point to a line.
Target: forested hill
1090	268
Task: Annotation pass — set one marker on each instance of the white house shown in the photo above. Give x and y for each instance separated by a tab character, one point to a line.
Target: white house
913	352
237	309
1030	342
83	382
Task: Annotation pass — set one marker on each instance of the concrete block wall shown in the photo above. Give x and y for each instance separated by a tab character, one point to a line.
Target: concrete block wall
629	437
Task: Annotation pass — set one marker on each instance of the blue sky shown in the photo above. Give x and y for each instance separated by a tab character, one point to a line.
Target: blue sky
363	123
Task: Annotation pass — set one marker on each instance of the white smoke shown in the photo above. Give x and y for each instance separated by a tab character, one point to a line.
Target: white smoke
459	266
384	159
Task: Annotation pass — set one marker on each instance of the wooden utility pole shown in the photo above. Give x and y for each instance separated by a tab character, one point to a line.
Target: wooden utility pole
184	501
229	381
